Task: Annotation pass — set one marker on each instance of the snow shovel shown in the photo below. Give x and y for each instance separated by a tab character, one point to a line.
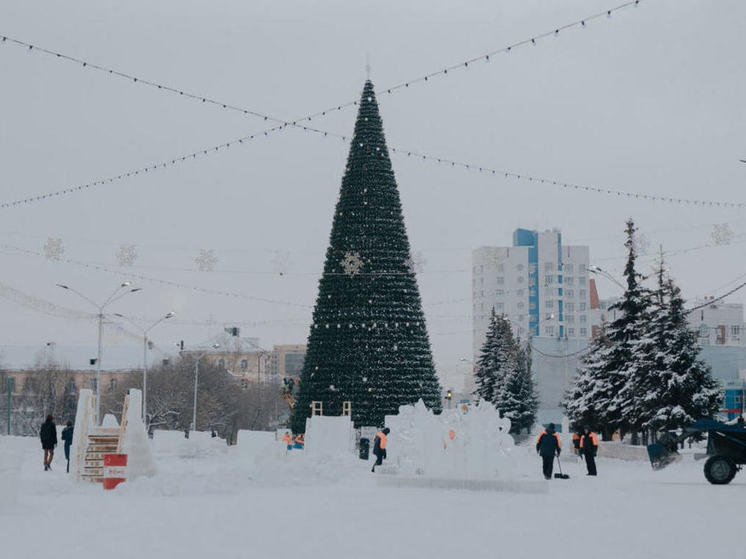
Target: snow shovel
560	475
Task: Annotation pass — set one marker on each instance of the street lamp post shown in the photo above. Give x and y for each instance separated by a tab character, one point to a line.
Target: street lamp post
604	273
117	294
196	378
145	332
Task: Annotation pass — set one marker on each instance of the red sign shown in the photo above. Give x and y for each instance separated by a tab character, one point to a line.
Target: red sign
115	470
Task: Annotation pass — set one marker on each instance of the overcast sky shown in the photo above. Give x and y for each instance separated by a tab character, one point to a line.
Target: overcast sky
649	101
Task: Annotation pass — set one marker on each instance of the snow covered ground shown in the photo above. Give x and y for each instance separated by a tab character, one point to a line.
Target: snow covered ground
208	500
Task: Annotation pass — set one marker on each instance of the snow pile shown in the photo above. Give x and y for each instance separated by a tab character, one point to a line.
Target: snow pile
329	435
136	444
454	445
10	469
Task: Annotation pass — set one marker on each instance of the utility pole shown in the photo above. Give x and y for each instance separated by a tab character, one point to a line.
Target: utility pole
7	385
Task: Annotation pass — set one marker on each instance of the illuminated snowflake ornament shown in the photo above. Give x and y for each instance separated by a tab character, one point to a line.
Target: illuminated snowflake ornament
352	263
126	255
53	249
206	260
281	263
641	244
721	234
416	262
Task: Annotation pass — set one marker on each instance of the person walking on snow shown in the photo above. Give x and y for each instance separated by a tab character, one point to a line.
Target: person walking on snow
67	436
287	440
48	436
379	447
548	446
589	449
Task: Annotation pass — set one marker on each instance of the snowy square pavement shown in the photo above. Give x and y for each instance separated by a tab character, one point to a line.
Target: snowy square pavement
208	500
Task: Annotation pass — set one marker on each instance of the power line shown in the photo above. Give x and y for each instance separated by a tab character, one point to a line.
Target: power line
486	57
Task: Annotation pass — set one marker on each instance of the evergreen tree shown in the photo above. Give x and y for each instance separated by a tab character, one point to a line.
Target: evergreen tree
496	360
368	343
682	390
518	400
582	400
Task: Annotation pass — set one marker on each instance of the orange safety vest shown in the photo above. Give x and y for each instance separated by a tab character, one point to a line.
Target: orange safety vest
382	440
286	438
556	436
594	439
299	439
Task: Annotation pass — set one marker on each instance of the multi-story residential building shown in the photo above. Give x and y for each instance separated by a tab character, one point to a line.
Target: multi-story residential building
541	286
287	361
719	323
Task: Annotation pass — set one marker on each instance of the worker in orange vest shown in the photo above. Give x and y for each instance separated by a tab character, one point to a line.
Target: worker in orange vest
379	447
287	440
548	445
576	441
589	449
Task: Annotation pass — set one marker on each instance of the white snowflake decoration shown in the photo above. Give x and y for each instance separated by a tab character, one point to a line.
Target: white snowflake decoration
126	255
206	260
721	234
281	262
416	262
53	249
641	244
352	263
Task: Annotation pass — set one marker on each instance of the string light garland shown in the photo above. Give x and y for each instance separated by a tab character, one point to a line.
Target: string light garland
486	57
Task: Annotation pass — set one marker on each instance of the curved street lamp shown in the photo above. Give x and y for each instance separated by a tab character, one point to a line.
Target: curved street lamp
117	294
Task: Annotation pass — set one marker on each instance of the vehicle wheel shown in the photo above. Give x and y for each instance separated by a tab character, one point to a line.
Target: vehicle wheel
719	470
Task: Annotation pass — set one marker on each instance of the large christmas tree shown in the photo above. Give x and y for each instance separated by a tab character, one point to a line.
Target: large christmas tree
368	343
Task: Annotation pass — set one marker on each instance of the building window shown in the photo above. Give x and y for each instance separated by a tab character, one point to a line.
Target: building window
581	306
500	280
735	331
532	306
531	281
244	384
548	266
112	384
582	280
520	292
581	268
520	305
549	331
584	332
548	280
244	364
570	318
549	304
581	293
532	292
583	319
571	332
704	331
567	268
569	280
9	385
532	268
569	293
500	307
569	307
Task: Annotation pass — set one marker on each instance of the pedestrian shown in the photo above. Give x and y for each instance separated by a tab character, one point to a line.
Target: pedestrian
379	447
67	436
287	440
48	436
300	440
589	449
548	446
576	442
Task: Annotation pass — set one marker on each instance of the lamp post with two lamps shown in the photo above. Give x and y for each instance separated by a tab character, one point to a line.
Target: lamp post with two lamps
117	294
145	341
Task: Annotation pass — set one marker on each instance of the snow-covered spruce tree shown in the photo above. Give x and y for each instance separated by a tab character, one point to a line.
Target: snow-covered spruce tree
590	387
368	342
612	371
497	358
682	389
518	400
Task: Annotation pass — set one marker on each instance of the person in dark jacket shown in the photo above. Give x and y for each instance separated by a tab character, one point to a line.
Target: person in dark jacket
48	436
548	446
589	449
379	447
67	436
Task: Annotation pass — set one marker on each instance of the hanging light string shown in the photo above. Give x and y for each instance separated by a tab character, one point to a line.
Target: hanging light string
486	57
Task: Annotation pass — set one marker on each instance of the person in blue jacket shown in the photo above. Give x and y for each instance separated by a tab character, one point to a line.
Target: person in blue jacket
548	446
67	436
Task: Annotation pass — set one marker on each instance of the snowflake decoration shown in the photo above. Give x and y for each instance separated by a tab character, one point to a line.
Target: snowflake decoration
352	263
281	262
416	262
721	234
126	255
206	260
53	249
641	244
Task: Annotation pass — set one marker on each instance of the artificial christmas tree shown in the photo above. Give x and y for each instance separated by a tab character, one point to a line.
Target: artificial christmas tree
368	343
